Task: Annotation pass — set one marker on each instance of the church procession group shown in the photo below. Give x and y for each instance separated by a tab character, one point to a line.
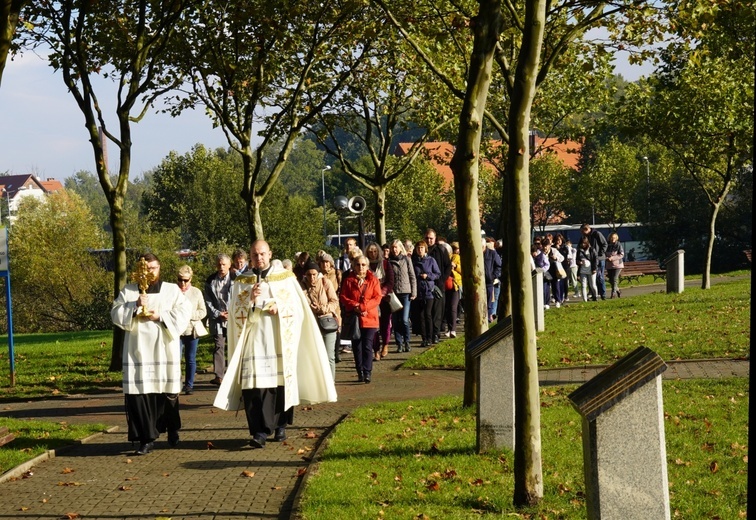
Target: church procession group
285	325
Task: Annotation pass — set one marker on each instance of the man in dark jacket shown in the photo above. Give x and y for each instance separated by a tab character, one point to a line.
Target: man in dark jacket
441	255
492	272
598	244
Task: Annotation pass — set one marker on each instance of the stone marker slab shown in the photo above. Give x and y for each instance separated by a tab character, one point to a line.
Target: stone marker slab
624	451
675	266
493	352
538	303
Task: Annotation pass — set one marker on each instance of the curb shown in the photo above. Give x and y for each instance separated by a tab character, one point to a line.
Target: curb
312	466
18	471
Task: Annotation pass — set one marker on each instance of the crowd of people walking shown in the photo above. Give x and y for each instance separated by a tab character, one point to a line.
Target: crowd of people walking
277	318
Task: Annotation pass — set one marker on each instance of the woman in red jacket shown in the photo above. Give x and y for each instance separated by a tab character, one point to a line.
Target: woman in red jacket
361	295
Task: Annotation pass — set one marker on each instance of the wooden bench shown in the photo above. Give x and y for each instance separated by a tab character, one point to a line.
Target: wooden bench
634	270
5	436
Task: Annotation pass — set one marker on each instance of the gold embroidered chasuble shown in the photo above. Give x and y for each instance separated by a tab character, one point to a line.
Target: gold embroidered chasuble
267	350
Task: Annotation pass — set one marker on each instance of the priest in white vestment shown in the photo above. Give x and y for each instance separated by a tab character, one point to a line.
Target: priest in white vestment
152	356
277	355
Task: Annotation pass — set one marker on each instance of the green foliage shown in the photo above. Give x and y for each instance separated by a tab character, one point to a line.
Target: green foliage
417	459
57	284
417	200
197	195
294	223
609	181
549	189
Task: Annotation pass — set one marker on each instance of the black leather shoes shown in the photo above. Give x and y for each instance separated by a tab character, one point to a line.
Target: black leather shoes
173	438
367	376
280	435
144	448
257	442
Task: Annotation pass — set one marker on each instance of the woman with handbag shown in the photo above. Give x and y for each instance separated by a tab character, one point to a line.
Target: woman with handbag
190	338
381	268
405	289
361	296
324	304
614	262
426	273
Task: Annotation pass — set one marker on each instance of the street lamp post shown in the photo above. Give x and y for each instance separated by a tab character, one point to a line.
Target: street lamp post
322	182
648	190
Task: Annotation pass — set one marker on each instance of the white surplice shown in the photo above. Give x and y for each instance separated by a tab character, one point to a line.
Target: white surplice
152	349
268	350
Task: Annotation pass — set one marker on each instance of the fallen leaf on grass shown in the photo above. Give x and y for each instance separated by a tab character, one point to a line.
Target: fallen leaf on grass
432	486
477	482
248	474
680	462
714	467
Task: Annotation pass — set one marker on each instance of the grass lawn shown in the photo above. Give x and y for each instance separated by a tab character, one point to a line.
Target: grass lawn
36	437
696	324
417	459
49	365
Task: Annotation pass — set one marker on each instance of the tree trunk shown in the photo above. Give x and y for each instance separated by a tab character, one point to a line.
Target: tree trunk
380	214
528	485
9	11
256	231
464	165
706	278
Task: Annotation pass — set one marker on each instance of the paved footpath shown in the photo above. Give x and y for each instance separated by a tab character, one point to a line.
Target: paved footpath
212	473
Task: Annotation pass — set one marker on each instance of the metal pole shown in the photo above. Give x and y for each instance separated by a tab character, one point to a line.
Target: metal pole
322	181
648	190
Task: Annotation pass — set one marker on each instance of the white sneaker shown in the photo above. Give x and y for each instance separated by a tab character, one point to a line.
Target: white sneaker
557	305
546	307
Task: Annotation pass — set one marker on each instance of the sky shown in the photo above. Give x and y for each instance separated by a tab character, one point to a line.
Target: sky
42	130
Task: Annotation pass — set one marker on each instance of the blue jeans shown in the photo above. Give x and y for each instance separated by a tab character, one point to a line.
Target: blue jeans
329	338
400	320
600	284
189	346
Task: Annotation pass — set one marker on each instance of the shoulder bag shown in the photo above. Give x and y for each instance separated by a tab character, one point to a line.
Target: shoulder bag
395	303
350	328
328	324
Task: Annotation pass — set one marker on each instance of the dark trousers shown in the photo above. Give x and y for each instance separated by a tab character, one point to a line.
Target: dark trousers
426	319
149	415
362	350
265	412
439	306
452	302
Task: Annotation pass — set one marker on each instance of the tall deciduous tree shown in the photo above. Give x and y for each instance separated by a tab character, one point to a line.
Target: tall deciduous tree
610	180
515	42
700	104
120	40
374	108
195	194
263	70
